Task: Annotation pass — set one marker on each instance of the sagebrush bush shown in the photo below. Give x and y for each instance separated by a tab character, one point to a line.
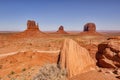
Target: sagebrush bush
50	72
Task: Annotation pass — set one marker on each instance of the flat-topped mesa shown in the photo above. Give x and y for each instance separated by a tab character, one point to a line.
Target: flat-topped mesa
90	27
31	25
61	30
90	30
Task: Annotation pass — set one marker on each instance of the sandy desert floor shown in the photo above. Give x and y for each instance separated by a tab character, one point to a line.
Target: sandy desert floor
22	56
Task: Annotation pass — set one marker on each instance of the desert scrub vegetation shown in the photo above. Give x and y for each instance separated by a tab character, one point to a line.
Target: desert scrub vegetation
50	72
12	72
24	69
0	66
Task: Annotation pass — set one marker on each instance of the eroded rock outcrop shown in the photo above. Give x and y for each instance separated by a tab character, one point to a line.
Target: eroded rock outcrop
90	30
108	55
91	27
61	30
31	25
31	31
75	59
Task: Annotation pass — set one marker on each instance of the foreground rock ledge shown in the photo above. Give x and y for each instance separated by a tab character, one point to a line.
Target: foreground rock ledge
108	55
75	59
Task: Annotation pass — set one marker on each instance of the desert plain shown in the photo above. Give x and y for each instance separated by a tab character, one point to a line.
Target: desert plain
33	54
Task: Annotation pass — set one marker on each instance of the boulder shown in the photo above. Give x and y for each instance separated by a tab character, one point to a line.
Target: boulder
90	27
114	45
108	53
75	59
107	63
111	52
61	30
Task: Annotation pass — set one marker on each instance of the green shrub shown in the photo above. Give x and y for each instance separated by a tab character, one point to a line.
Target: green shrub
50	72
23	69
12	72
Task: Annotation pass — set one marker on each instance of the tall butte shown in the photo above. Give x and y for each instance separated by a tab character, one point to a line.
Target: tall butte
90	30
31	26
33	30
90	27
61	30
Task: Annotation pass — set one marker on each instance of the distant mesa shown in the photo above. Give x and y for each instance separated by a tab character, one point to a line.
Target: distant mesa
31	31
90	30
31	25
61	30
91	27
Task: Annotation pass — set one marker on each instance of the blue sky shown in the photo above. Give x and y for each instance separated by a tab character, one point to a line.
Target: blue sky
50	14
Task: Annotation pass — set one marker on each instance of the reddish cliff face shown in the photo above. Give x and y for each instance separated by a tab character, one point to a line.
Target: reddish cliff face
90	30
91	27
75	59
31	31
61	30
108	55
31	25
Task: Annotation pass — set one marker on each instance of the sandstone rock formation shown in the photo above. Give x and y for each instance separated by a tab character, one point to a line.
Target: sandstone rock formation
90	27
61	30
31	25
108	55
94	75
31	31
90	30
75	59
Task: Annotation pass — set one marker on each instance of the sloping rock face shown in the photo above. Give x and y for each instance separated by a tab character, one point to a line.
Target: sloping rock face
91	27
31	25
75	59
108	55
61	30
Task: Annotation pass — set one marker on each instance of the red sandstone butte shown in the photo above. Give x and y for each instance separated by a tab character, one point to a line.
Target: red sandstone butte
61	30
